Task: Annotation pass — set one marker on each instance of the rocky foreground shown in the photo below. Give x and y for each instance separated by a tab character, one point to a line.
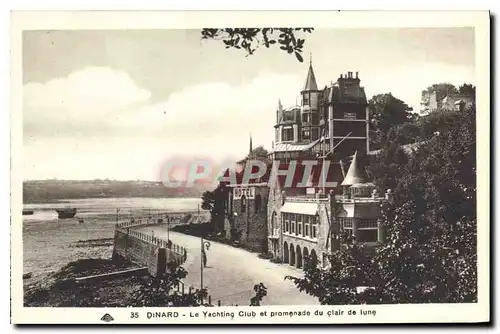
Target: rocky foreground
59	290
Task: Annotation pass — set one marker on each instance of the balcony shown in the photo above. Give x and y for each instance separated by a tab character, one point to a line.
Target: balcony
307	199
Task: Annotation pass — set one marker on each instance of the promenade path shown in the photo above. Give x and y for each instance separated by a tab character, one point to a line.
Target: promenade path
231	273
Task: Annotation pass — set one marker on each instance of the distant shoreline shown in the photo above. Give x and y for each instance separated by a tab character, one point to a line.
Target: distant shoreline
67	200
49	191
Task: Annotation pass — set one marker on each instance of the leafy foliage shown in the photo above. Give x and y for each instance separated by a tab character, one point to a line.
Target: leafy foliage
260	292
387	111
429	254
250	39
161	291
259	152
214	202
467	89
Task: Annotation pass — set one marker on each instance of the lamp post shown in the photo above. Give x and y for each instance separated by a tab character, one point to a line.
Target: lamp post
204	244
168	228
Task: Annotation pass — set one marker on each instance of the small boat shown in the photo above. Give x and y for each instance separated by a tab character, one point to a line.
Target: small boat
66	213
27	212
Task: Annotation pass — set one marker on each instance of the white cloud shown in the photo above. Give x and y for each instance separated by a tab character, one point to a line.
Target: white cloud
213	119
86	97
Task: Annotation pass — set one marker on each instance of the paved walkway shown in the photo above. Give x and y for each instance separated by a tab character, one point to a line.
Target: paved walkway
231	272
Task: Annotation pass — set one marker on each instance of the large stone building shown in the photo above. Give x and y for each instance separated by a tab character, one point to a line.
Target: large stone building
292	220
330	126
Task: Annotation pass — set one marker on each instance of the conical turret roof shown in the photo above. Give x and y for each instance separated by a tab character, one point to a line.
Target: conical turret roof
310	80
356	172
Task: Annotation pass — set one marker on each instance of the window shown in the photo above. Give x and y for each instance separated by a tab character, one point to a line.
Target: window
314	232
305	117
292	230
258	203
305	100
243	204
368	223
287	134
287	226
306	230
314	133
306	135
367	230
346	223
314	118
299	230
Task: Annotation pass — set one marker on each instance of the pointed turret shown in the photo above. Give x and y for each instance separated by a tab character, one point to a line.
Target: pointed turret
250	154
356	173
310	80
279	112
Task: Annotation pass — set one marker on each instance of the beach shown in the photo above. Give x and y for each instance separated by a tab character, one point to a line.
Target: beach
50	243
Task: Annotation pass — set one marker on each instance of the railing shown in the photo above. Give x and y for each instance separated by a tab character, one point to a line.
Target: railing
139	222
177	249
361	200
305	199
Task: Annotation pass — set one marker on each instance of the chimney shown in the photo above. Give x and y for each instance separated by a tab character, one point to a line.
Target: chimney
356	74
341	76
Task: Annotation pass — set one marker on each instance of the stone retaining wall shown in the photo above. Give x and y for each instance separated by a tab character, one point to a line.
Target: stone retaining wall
146	250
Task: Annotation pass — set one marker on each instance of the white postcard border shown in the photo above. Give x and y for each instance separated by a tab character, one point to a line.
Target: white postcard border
431	313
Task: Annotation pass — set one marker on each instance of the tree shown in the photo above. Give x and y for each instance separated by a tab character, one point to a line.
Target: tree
386	111
260	292
259	152
430	251
467	89
250	39
160	291
213	201
387	167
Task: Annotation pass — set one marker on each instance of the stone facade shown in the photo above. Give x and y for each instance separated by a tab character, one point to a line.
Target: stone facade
247	215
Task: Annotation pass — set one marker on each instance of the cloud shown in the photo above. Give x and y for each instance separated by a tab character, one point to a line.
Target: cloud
99	118
86	99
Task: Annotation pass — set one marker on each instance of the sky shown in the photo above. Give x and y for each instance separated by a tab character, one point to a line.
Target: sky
119	104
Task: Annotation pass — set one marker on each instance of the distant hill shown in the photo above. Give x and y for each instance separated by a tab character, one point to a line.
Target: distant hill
40	191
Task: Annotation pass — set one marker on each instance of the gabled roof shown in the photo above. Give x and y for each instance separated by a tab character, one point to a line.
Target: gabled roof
356	173
310	80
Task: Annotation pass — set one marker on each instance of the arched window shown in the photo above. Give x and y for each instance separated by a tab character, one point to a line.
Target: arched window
258	203
243	203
